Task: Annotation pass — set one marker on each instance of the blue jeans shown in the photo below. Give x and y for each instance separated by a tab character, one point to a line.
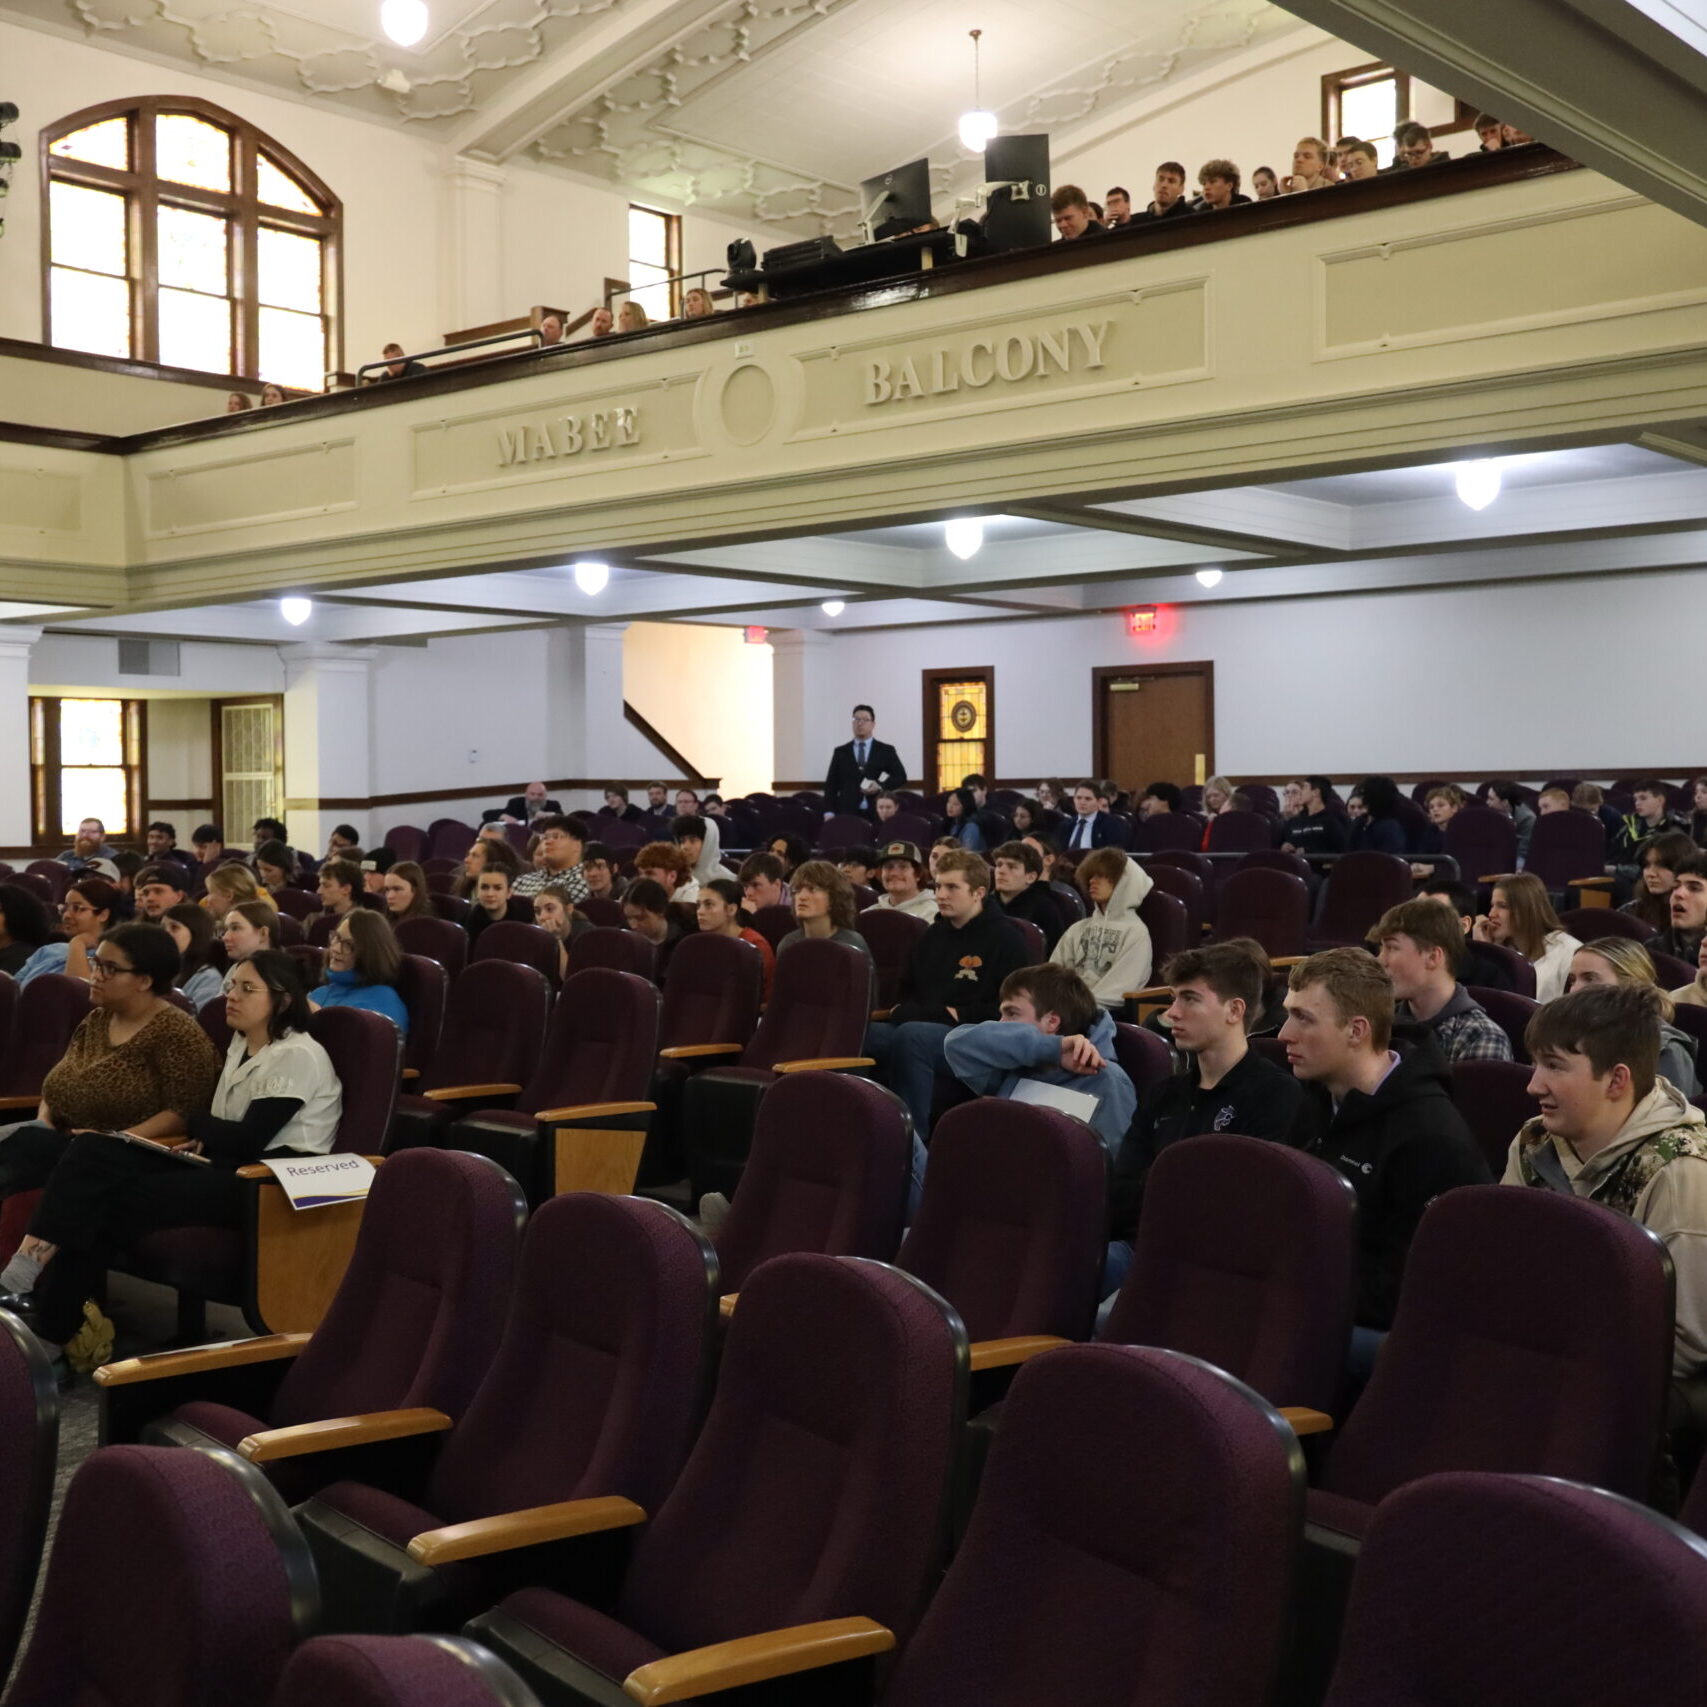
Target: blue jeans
909	1057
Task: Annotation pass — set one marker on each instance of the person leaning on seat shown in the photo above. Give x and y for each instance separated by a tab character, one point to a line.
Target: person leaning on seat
277	1095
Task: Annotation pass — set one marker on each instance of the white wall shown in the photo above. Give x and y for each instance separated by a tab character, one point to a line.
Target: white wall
708	693
180	752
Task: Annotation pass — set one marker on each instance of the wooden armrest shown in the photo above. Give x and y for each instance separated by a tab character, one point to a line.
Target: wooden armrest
1003	1354
330	1433
753	1659
1288	960
692	1051
1589	883
411	1073
1156	993
456	1093
20	1102
596	1110
881	1013
1305	1421
825	1064
726	1304
160	1365
526	1528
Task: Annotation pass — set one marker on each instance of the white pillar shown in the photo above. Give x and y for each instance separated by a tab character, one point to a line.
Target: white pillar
328	742
807	726
472	257
16	827
586	731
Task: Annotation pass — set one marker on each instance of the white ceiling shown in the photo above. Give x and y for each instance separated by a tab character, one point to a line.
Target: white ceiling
1438	480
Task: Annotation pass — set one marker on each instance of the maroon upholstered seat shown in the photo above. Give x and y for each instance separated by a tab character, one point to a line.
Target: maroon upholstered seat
1188	889
1360	888
816	1489
890	935
1239	832
846	829
1587	923
29	1442
1168	920
203	1584
448	838
296	904
596	1390
1483	841
399	1671
602	911
438	939
1132	1543
1511	1013
49	1008
1564	846
1146	1059
1520	970
1166	830
424	986
1271	906
408	841
510	939
774	923
1493	1097
615	950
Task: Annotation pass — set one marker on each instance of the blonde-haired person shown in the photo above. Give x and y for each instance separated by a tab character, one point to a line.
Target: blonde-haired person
1619	960
230	885
697	304
1309	167
1521	917
1442	804
632	318
249	928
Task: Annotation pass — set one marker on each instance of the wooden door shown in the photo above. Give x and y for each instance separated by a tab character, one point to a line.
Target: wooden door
1155	723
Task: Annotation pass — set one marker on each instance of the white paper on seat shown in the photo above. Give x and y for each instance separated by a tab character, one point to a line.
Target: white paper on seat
1080	1104
313	1182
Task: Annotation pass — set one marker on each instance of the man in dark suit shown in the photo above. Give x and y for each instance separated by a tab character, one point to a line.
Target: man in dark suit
1092	828
862	768
522	808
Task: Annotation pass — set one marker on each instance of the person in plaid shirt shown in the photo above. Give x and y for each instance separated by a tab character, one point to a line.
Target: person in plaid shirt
1420	946
557	858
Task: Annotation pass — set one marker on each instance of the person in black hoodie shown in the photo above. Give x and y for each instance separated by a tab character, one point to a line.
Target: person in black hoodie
1385	1117
1021	892
953	977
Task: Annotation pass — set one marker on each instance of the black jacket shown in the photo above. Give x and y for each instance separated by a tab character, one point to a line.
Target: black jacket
1257	1100
1037	906
630	814
1400	1148
516	807
842	792
961	969
1322	832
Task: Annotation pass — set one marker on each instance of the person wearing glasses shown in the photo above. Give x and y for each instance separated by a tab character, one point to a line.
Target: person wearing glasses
137	1064
91	904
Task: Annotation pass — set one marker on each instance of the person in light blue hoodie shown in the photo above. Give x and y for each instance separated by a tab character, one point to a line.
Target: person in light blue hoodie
363	961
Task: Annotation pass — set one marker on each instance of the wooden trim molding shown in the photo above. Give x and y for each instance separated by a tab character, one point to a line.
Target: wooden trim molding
686	766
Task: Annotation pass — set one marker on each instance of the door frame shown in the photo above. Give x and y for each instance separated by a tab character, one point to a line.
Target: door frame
928	680
217	781
1104	673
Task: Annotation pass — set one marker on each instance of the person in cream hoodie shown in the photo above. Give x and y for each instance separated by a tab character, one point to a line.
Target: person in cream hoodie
1110	949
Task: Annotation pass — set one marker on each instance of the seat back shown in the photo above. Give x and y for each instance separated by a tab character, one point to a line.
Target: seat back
1168	920
1187	888
423	985
408	841
1483	841
1275	859
597	1384
1132	1542
9	994
1566	845
295	904
1533	1334
1493	1097
890	936
455	908
846	829
1670	972
1518	969
1361	887
1239	832
712	993
50	1007
204	1585
1166	830
1511	1013
1012	1223
828	1172
1271	906
494	1027
818	1484
437	939
367	1055
602	911
819	1004
399	1671
54	873
29	1445
1031	938
1586	923
1146	1059
1245	1257
613	951
449	838
417	1316
510	939
601	1044
773	923
1431	1619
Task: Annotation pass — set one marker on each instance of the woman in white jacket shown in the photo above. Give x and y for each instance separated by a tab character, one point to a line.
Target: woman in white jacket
1110	949
1520	916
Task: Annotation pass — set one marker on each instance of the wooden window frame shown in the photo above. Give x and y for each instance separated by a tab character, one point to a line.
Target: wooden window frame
672	252
928	682
1334	83
45	776
144	193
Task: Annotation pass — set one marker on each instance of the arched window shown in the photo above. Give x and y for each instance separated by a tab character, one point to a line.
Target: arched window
176	233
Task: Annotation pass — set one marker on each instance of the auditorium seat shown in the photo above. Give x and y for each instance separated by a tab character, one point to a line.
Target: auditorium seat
1011	1228
290	933
1146	1058
773	923
1519	970
845	830
819	1004
35	884
1511	1013
1688	1017
1493	1097
890	935
813	1503
177	1579
424	988
29	1443
613	951
1587	923
317	931
1564	846
46	1011
449	838
438	939
510	939
1168	920
1166	830
412	1326
828	1172
1032	940
408	842
594	1395
1271	906
1483	841
1244	1257
1132	1542
918	828
1276	859
1239	832
399	1671
1189	890
1360	888
579	1124
53	873
296	904
452	907
603	912
1671	972
493	1031
1434	1614
441	882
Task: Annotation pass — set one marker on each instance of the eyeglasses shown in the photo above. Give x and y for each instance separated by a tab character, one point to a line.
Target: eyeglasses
100	968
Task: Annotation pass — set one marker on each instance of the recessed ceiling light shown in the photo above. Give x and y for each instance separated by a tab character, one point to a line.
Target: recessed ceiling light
592	578
296	611
833	607
963	536
1209	577
1478	483
404	21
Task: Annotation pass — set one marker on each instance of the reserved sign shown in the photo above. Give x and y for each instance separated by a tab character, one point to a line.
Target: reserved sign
312	1182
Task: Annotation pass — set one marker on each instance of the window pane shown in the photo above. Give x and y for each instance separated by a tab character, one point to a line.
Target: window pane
90	312
195	331
1370	110
278	190
103	144
293	349
93	794
290	271
647	237
89	229
191	151
193	250
91	732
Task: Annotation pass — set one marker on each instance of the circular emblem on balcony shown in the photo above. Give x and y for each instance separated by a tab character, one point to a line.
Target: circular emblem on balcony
747	406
